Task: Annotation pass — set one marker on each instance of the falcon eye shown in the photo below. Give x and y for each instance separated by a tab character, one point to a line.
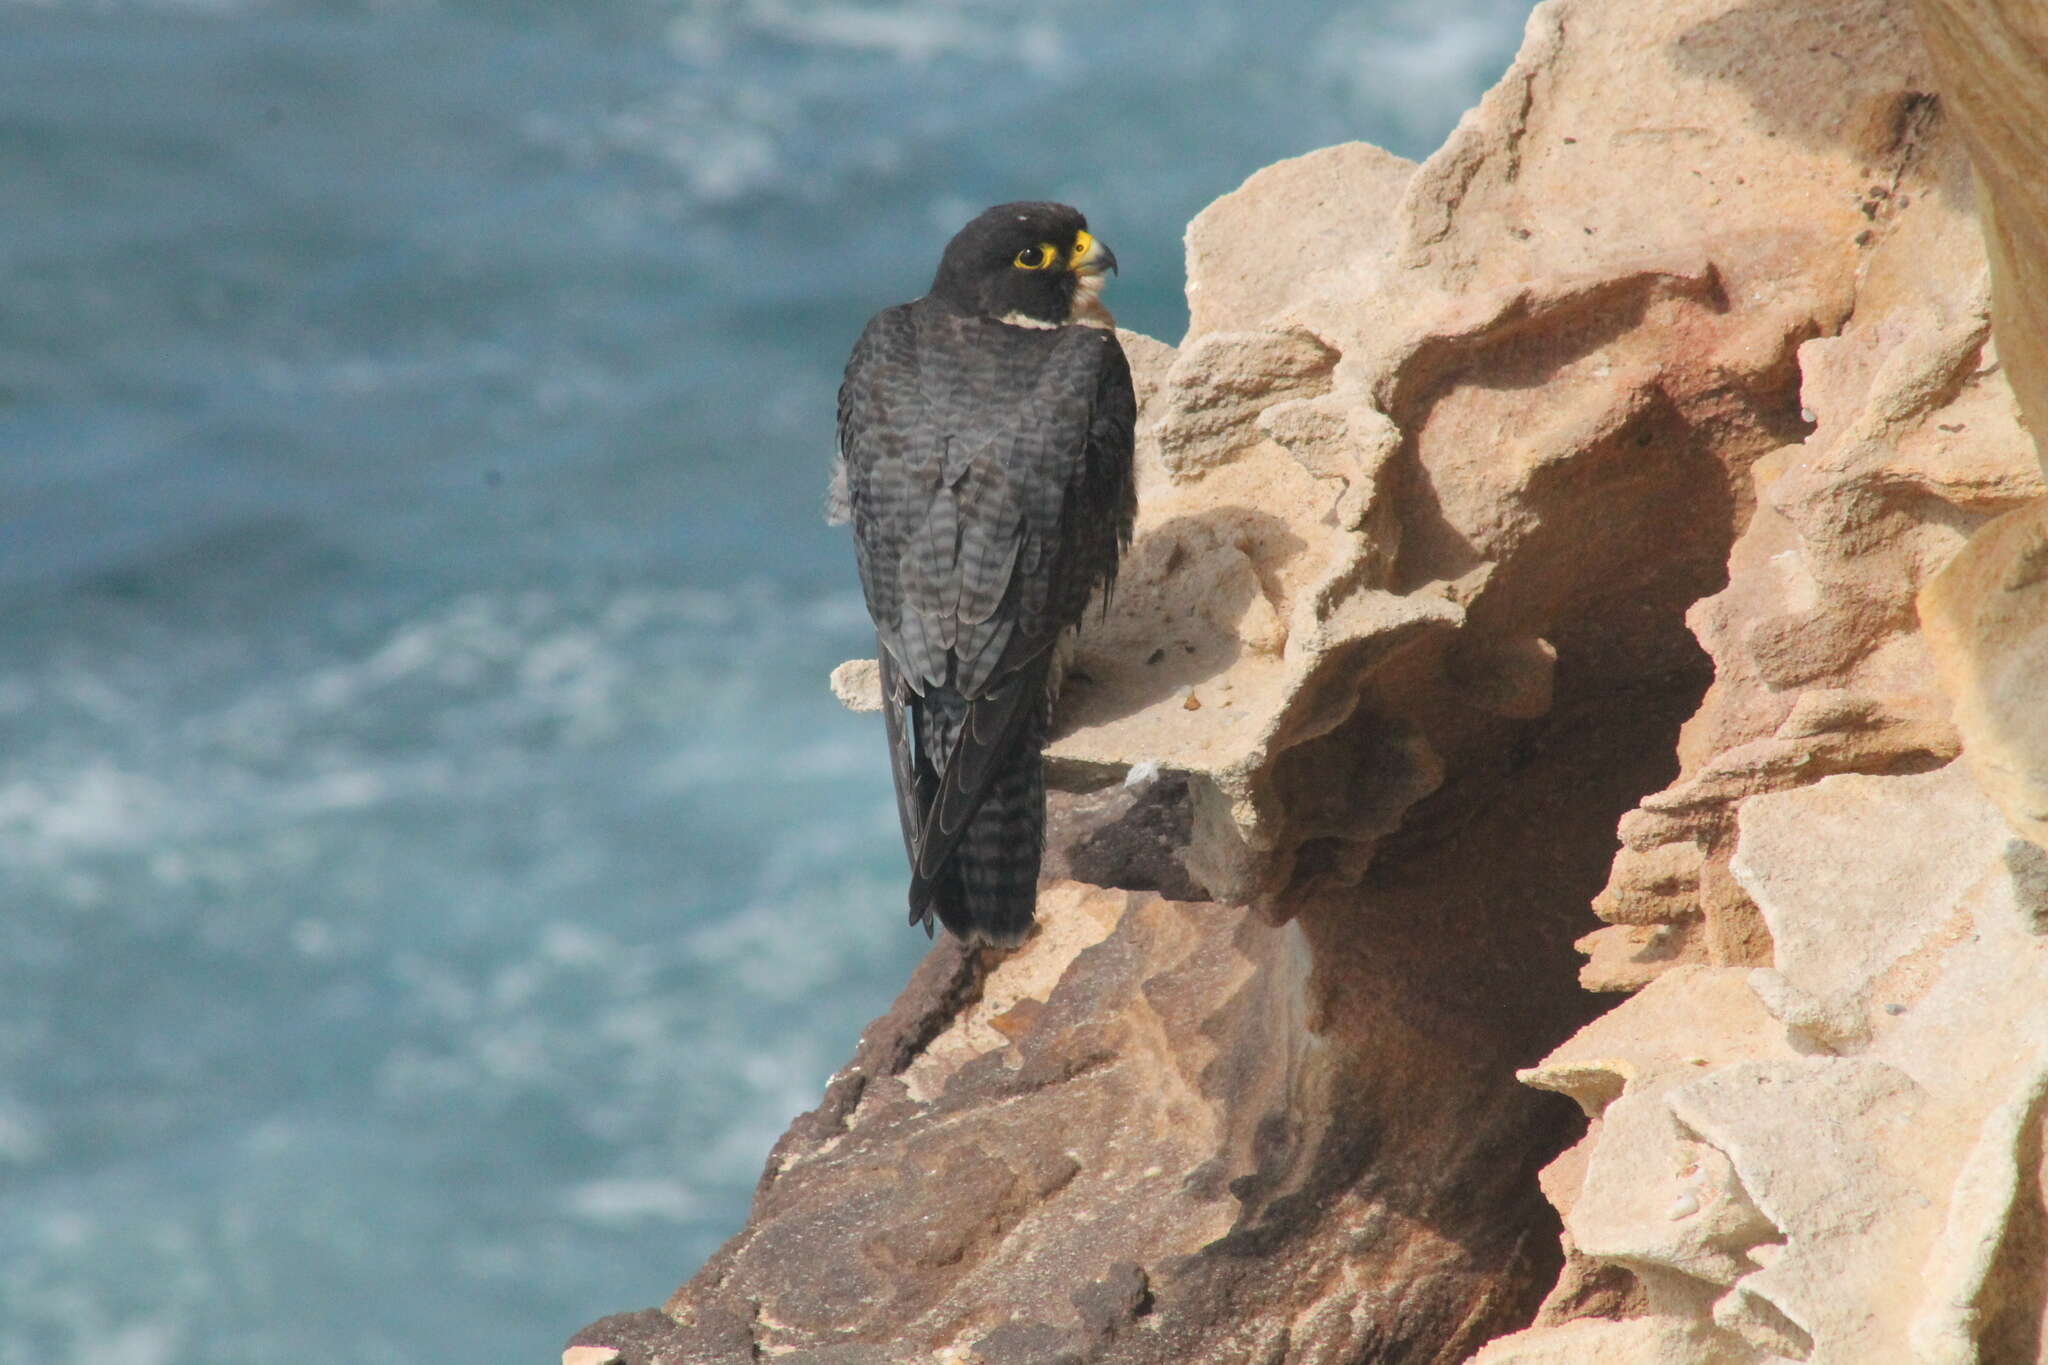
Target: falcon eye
1039	257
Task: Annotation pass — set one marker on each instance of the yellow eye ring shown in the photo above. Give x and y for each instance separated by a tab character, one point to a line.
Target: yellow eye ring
1044	256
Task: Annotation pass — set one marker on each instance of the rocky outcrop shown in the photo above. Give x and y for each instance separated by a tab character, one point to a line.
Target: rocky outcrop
1597	474
1986	614
1826	1159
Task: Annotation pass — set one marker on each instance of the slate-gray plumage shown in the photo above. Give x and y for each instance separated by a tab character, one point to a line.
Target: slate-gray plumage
985	443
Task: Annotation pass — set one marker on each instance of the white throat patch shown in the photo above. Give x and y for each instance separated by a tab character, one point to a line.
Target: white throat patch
1088	309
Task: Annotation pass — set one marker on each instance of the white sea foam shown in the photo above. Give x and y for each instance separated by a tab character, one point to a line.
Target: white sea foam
560	383
22	1134
155	1342
755	947
846	611
97	806
1417	65
208	8
916	34
617	1202
350	789
723	148
839	757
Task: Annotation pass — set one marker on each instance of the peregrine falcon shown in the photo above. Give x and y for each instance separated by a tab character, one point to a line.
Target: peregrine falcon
985	461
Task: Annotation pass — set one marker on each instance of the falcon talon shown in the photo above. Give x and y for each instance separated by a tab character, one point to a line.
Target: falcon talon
985	436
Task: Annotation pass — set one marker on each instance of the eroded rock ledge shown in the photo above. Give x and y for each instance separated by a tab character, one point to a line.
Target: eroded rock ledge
1598	473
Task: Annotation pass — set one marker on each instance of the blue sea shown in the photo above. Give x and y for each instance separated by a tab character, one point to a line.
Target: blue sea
432	870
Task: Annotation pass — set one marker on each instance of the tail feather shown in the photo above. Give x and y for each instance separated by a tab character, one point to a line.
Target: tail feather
985	890
995	868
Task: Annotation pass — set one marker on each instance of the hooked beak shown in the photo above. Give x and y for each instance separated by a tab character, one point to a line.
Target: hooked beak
1091	257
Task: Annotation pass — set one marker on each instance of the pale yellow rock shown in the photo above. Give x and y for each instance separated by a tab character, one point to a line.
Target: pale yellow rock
1828	1153
591	1355
1656	885
1835	1208
1253	252
1656	1033
1919	844
1983	979
1221	383
1653	1196
1628	957
1636	1341
1986	618
1989	58
1962	1269
1915	443
858	685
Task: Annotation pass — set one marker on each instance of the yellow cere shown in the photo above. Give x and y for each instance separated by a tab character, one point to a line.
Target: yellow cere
1083	244
1044	256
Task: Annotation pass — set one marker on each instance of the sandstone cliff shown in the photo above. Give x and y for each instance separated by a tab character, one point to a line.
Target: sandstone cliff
1645	461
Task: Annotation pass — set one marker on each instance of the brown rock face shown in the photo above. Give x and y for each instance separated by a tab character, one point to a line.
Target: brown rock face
1126	1141
1595	475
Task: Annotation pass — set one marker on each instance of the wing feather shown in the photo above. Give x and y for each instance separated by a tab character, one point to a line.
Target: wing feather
983	741
988	474
931	570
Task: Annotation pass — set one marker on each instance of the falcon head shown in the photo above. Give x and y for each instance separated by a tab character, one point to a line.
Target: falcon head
1034	265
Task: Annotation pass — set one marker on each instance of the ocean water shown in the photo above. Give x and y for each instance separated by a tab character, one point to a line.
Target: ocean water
432	870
